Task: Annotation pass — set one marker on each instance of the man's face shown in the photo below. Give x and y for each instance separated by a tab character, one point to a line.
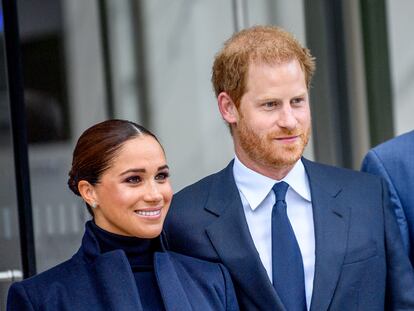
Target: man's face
273	119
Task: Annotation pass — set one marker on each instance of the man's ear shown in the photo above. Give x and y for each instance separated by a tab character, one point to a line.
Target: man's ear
227	108
88	193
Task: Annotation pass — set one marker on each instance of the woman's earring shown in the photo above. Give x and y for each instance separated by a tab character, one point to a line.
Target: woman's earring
94	205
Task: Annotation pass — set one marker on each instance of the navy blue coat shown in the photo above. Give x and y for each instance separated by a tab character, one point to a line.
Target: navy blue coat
360	260
394	161
91	281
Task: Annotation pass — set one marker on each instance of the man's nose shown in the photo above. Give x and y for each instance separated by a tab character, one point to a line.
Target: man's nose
287	118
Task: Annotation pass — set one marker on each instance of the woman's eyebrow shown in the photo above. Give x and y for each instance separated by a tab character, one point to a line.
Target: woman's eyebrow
163	167
133	170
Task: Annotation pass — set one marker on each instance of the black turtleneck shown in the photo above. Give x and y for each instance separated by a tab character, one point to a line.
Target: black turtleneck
140	254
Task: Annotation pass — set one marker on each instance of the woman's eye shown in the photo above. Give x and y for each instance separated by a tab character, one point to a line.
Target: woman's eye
133	179
162	176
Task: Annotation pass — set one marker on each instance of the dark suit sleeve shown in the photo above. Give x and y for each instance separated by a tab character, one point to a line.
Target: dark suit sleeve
18	300
400	274
231	300
373	164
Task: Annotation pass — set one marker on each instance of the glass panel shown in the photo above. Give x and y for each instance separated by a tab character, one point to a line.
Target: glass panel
400	23
9	227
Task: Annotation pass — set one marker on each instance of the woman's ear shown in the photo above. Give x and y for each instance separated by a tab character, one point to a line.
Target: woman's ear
88	193
227	108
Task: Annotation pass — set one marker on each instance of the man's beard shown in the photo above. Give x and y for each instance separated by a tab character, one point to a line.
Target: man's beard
263	149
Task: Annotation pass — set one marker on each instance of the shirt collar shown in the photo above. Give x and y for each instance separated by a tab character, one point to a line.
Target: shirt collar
255	187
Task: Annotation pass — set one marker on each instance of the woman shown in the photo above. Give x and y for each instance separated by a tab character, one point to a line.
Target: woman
120	171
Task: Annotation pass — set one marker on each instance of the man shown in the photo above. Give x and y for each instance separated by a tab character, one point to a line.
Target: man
294	234
394	161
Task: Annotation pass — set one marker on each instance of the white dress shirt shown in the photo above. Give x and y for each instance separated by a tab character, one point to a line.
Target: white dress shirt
258	200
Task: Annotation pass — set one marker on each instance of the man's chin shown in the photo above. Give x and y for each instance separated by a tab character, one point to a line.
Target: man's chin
288	158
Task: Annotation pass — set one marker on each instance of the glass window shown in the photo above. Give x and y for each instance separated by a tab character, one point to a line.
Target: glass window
401	49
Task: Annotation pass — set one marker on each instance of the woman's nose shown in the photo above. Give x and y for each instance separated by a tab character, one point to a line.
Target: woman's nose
153	193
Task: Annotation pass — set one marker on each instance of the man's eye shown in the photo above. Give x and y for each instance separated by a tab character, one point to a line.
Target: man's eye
270	104
297	100
133	179
162	176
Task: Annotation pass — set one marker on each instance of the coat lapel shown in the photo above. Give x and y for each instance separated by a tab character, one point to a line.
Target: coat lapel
231	239
116	282
170	286
331	221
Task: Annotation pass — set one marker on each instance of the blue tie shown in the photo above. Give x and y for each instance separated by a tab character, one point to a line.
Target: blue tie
287	265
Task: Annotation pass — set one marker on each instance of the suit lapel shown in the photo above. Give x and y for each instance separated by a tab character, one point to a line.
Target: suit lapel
231	239
171	289
331	221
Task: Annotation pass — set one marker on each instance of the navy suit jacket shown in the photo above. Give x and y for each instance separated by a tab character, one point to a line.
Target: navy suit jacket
91	281
394	161
360	260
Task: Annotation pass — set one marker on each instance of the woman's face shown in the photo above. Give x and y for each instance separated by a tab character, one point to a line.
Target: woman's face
134	194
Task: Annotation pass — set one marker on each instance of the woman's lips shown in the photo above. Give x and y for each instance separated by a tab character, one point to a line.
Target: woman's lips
151	212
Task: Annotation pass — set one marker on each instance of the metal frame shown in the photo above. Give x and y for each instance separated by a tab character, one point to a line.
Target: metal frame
19	132
240	18
329	92
107	67
377	68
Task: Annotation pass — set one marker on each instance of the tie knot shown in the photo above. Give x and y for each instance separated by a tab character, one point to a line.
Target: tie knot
280	189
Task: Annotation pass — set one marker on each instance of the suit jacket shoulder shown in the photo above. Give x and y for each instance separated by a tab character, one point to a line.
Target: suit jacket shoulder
394	161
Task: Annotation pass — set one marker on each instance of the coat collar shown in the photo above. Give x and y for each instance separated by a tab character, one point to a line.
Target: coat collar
231	238
116	281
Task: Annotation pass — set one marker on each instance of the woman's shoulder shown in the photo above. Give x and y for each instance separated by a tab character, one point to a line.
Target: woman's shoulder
37	287
64	273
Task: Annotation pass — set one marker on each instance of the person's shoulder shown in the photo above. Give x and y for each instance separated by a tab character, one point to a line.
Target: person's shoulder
391	153
396	144
41	282
335	172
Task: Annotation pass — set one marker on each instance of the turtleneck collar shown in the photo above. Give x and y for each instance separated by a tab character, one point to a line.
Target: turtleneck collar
139	252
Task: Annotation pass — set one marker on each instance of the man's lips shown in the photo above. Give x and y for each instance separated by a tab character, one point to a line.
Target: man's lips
287	138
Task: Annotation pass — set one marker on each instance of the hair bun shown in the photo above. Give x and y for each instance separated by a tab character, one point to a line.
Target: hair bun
73	184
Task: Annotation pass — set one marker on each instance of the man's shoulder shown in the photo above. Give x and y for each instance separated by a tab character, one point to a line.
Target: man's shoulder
396	144
334	172
397	151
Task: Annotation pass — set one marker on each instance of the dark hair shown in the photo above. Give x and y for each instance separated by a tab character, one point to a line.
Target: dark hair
96	148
